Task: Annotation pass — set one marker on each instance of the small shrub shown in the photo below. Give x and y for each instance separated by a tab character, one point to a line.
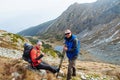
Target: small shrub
18	36
47	46
59	37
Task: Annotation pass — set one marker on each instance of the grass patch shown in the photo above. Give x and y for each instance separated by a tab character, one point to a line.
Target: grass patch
14	37
50	52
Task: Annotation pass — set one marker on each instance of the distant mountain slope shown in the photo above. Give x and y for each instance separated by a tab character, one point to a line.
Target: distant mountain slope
33	31
78	17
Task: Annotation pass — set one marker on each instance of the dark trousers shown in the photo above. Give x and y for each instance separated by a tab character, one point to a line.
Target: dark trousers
46	66
71	68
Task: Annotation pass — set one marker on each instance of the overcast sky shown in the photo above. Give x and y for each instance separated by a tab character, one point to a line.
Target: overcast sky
16	15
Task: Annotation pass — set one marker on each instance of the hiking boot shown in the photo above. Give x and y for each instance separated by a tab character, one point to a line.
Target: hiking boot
74	74
58	70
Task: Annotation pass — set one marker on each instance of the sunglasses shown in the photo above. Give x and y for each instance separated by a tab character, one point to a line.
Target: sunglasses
67	33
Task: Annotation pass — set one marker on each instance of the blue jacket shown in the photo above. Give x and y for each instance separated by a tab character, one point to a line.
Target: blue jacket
72	45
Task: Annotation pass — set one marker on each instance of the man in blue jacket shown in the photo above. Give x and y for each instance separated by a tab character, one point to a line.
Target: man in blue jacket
71	48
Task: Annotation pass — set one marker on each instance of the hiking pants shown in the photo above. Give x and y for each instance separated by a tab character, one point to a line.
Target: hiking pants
46	66
71	68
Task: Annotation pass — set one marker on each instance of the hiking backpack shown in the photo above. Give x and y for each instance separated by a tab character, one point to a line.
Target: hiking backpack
26	52
78	46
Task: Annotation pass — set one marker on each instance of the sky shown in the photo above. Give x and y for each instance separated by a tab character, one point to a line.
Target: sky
17	15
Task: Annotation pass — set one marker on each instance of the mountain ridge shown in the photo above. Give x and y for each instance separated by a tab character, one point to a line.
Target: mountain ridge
33	31
78	17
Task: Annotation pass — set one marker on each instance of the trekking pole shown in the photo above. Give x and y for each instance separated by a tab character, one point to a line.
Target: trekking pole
63	54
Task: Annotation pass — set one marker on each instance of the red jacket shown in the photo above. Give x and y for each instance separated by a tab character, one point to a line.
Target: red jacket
35	52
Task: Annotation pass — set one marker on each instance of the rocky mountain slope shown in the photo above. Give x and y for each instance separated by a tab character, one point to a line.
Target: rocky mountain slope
103	42
79	17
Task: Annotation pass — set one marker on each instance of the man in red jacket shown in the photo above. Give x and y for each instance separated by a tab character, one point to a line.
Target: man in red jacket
37	62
